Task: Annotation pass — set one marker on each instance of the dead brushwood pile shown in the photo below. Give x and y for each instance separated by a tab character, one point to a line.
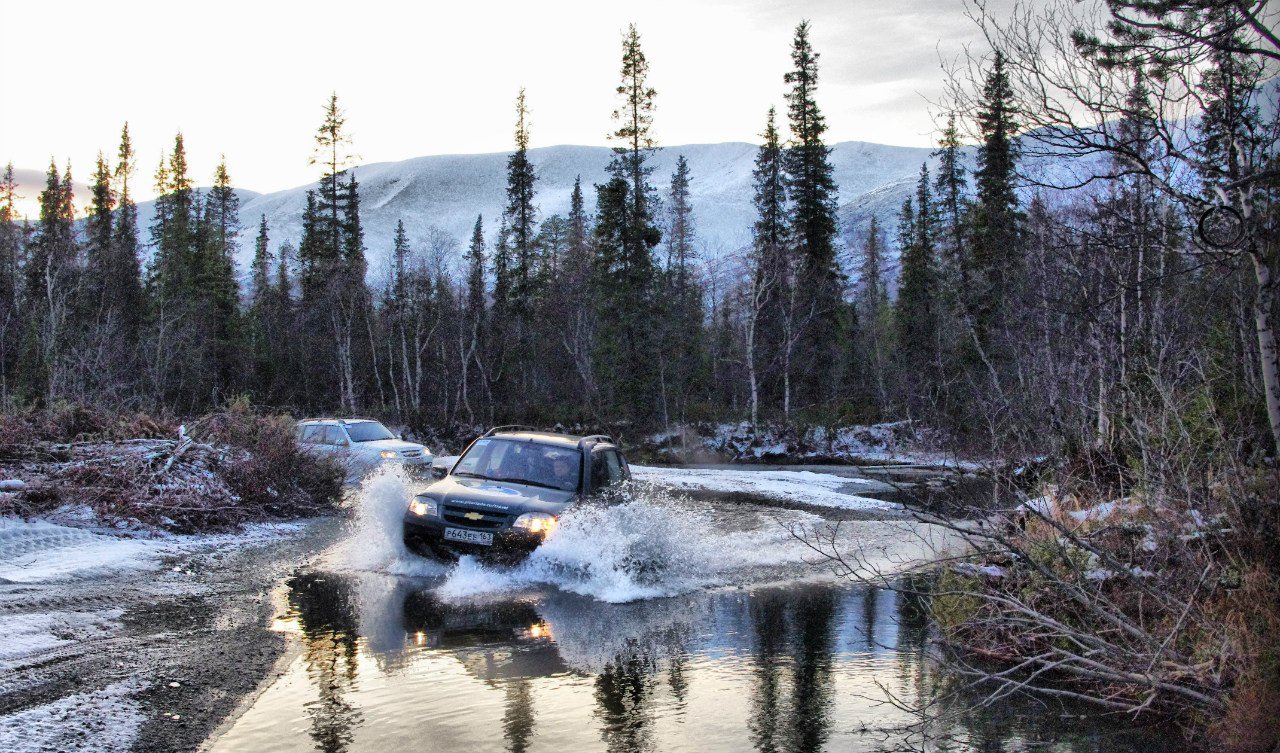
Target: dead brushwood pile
1143	603
213	474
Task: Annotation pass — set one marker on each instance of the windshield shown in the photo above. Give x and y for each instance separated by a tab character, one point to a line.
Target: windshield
524	462
368	431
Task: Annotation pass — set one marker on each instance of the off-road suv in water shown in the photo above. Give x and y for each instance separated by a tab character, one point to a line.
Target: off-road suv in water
506	493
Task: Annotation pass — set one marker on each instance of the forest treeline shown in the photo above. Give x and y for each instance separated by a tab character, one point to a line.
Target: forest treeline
1013	314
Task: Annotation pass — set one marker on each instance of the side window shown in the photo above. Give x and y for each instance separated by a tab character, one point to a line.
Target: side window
311	434
599	471
614	463
334	435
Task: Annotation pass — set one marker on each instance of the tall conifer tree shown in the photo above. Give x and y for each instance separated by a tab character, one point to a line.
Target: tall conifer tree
625	236
812	190
123	275
996	259
10	284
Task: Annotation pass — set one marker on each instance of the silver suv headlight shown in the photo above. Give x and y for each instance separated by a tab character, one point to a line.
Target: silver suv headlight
387	454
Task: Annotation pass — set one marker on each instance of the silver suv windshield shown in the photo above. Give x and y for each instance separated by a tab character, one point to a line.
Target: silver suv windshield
368	431
522	462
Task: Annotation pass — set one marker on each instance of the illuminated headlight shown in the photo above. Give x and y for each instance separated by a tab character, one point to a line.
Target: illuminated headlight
424	506
387	454
536	522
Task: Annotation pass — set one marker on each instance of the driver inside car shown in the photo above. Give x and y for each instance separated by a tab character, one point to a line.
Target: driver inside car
562	472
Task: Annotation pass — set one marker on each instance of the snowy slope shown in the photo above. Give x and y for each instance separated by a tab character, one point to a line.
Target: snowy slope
446	192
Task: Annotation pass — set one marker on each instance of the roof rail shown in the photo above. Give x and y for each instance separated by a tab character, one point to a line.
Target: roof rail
508	428
594	438
339	420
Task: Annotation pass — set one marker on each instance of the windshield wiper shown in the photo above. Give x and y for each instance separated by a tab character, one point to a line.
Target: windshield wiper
526	481
473	475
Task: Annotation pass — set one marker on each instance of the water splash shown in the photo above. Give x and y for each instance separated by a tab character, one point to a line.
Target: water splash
375	542
652	546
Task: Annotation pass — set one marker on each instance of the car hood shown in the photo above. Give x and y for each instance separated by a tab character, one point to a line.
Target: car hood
500	496
397	445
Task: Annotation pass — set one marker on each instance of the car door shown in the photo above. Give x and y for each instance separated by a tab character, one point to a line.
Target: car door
607	472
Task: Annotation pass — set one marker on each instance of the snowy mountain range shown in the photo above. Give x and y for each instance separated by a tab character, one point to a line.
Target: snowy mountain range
439	197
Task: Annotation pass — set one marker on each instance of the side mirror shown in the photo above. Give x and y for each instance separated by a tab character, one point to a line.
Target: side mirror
438	472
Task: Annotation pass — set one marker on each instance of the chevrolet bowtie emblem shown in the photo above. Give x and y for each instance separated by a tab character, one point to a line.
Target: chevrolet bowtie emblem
474	516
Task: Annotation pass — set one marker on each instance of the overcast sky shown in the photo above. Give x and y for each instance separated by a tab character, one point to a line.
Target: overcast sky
249	79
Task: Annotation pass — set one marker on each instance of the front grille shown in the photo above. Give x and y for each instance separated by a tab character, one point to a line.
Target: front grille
456	515
412	453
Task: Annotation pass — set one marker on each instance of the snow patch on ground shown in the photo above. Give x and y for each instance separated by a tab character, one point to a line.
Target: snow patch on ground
41	551
99	720
802	487
26	635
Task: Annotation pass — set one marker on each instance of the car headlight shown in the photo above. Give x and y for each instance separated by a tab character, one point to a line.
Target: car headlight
536	522
424	506
387	454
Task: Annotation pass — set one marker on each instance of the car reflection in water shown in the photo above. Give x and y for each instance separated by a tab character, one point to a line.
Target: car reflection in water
387	664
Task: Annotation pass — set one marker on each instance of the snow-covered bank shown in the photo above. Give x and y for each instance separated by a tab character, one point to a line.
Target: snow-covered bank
43	551
797	487
900	442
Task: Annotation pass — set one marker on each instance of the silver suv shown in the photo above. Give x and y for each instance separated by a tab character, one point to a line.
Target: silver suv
362	445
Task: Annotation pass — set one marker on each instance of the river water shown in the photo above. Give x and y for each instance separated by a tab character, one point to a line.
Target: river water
660	625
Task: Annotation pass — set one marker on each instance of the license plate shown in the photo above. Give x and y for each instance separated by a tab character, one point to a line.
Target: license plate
469	537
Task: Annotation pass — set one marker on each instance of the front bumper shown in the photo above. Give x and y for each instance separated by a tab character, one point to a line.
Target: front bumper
417	469
425	535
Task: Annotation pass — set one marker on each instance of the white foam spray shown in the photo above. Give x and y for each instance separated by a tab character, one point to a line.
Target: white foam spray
375	542
652	546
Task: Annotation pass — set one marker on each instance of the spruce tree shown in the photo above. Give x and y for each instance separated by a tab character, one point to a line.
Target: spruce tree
950	186
50	278
625	236
519	314
99	238
261	308
474	330
123	275
217	289
10	285
812	191
173	229
332	264
872	309
917	313
773	310
576	291
680	302
260	270
995	264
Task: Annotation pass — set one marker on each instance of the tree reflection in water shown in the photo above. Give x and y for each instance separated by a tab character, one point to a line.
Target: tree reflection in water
517	716
623	691
768	620
814	618
648	673
326	611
